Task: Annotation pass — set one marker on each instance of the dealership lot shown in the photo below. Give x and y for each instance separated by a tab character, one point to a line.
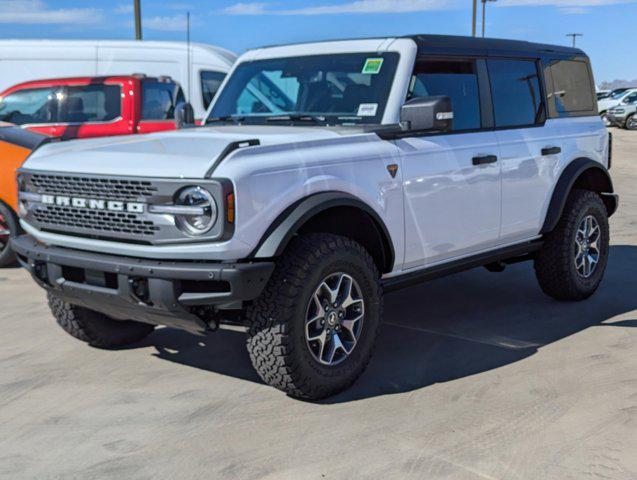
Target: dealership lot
476	376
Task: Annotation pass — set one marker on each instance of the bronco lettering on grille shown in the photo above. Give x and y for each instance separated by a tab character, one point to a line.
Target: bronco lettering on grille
93	203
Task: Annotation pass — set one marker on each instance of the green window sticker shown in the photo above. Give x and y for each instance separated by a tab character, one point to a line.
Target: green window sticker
372	66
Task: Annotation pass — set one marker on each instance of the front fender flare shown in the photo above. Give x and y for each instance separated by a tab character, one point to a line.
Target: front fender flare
277	237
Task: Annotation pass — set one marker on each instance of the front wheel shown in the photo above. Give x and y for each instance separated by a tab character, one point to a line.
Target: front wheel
95	328
571	263
8	229
313	329
631	122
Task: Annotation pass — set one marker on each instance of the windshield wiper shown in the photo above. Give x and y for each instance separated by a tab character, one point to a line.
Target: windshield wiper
296	117
226	118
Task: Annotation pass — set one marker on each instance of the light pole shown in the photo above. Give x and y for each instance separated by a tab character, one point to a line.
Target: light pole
138	19
473	22
574	36
484	14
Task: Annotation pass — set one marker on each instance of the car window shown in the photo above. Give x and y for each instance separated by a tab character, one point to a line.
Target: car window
571	88
515	88
90	103
631	98
210	83
33	105
159	100
457	79
350	88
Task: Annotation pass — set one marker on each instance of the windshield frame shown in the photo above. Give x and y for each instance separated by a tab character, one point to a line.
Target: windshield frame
392	59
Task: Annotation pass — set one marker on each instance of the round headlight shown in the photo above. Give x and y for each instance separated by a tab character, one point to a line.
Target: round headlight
204	209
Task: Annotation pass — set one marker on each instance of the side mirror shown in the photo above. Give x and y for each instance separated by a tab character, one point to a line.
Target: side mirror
427	113
184	116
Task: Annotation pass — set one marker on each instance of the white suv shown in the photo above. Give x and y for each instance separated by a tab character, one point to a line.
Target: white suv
325	175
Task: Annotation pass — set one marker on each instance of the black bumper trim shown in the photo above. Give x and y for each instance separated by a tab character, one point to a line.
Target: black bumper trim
167	303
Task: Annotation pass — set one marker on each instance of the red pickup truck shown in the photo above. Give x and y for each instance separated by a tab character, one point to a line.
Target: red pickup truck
86	107
67	108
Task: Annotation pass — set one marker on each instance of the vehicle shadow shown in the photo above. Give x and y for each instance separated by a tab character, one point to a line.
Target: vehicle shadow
443	330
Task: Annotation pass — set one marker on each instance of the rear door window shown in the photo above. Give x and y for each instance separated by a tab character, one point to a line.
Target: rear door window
210	83
571	88
515	88
159	100
30	106
457	79
90	103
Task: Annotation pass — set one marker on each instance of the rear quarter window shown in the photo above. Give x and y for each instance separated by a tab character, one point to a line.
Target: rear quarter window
569	88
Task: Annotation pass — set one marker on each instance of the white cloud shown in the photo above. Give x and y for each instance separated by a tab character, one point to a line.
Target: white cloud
36	12
174	23
124	8
358	6
569	7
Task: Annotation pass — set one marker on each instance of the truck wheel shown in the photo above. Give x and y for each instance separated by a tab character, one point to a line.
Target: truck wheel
8	228
631	122
94	328
572	261
313	329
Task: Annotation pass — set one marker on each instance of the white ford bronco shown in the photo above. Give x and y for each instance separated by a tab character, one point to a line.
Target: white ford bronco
325	175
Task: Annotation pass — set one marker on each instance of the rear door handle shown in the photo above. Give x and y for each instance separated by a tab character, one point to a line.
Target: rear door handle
551	151
484	159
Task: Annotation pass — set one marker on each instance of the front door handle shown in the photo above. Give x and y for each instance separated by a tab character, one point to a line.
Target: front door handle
484	159
551	151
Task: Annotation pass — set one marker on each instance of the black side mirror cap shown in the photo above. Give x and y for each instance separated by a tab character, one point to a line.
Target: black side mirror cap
427	114
421	115
184	116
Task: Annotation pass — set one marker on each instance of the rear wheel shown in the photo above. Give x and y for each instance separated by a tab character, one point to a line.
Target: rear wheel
95	328
8	228
571	263
313	329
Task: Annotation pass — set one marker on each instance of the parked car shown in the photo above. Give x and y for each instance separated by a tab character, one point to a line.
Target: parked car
26	60
603	94
70	108
93	106
621	97
623	116
326	174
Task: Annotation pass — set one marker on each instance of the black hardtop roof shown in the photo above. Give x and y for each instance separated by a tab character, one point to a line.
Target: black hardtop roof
474	46
452	44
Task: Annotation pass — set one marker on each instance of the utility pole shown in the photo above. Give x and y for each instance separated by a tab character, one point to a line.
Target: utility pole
473	23
574	36
138	19
484	14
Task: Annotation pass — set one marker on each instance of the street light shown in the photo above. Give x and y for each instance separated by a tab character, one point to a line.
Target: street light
484	9
574	36
138	19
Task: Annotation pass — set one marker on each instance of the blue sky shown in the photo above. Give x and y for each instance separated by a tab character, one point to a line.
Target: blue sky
609	26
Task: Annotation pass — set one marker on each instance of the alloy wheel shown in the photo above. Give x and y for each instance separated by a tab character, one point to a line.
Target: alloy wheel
334	319
587	241
5	233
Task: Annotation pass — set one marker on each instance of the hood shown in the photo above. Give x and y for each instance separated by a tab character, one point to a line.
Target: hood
184	153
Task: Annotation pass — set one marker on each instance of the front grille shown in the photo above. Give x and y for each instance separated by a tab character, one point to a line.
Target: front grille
110	208
94	187
98	221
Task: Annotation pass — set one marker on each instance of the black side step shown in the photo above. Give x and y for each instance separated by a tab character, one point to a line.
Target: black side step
413	278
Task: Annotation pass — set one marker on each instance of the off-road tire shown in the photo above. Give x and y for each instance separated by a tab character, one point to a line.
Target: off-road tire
276	338
7	257
95	328
554	263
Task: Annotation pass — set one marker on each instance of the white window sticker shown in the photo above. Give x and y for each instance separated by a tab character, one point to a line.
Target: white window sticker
372	66
367	109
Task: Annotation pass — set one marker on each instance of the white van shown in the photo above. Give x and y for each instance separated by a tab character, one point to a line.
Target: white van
25	60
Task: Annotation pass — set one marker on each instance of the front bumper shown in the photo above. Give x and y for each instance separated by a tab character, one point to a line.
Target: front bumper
152	291
616	119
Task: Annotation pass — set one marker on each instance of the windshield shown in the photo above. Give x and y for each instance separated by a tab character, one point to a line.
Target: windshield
324	89
618	95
